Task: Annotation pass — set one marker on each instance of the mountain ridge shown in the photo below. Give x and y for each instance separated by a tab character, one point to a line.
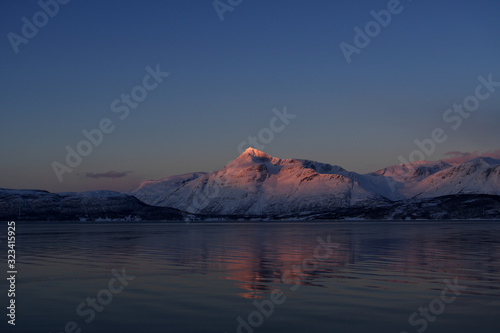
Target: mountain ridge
257	186
256	183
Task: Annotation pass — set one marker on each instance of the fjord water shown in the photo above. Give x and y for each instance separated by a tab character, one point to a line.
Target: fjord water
203	277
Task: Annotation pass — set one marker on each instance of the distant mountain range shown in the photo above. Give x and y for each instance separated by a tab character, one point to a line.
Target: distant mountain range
36	205
259	186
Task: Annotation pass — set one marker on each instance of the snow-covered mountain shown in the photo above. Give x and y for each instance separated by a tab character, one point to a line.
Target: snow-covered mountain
478	176
258	184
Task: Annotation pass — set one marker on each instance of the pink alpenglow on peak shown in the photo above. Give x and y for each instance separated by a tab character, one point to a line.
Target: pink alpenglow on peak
255	152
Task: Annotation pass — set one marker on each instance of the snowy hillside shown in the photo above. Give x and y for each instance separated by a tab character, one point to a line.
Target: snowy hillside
478	176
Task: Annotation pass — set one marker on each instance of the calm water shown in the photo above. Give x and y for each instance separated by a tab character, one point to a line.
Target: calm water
373	277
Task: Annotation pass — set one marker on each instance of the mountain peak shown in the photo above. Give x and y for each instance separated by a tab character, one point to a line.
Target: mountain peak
254	153
251	155
484	160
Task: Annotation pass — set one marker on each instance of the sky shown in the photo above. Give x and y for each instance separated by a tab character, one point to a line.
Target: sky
176	86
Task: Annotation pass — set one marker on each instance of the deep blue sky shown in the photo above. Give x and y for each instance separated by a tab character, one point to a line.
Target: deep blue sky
227	76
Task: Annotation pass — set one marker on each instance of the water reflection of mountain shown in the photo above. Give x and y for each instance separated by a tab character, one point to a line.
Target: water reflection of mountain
255	256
